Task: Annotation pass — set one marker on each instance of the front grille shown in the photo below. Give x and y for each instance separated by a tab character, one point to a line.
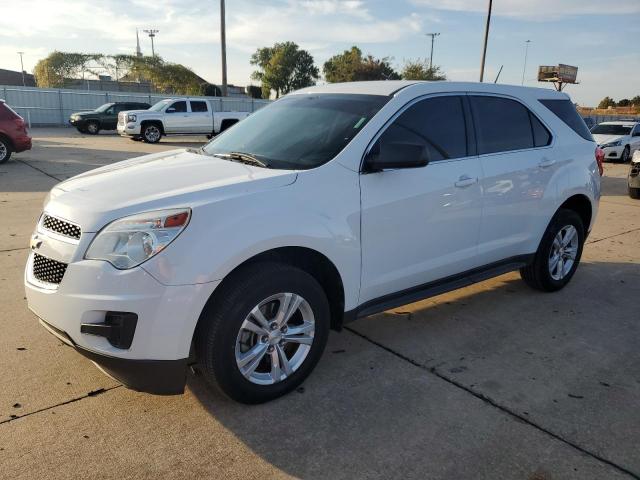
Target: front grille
61	227
47	270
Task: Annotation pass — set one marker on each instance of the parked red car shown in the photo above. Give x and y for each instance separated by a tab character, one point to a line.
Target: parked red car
13	133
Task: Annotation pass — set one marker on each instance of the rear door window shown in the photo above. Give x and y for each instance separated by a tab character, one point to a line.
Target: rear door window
198	106
437	124
566	111
502	124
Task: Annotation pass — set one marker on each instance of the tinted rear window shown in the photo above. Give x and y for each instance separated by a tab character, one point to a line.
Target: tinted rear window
566	111
501	124
198	106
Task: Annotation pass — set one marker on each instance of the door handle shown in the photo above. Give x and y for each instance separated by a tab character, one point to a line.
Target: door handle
546	162
465	181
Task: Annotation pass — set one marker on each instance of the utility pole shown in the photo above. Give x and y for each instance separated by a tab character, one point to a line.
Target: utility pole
152	33
433	36
486	39
223	42
526	51
22	69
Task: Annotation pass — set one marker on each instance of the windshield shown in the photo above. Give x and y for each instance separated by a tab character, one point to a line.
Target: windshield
160	105
299	132
611	129
104	107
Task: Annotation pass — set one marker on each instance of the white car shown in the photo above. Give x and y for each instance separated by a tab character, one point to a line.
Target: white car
176	116
332	203
619	140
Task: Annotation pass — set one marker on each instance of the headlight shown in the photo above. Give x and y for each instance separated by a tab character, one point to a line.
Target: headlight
131	117
130	241
612	144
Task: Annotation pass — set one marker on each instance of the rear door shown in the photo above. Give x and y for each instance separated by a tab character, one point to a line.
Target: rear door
200	120
176	117
422	224
518	163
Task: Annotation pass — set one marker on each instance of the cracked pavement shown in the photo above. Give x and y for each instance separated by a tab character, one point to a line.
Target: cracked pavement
491	381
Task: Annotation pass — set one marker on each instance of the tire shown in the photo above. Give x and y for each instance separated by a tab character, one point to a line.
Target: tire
136	139
626	153
82	130
151	133
93	128
540	274
222	343
634	192
5	150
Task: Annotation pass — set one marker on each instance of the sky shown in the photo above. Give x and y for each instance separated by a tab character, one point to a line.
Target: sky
601	37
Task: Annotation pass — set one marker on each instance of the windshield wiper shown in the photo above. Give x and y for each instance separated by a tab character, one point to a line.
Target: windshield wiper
242	157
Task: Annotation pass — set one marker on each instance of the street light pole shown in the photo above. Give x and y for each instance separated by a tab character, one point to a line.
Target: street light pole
526	51
223	42
22	69
152	33
486	39
433	36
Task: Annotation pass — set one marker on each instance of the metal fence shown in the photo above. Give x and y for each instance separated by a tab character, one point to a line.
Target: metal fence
42	106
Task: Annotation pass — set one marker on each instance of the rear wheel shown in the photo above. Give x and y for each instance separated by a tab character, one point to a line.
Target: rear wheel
5	150
93	128
151	133
558	255
624	158
265	332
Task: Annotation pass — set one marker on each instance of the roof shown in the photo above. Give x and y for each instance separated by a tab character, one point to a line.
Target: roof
11	77
389	87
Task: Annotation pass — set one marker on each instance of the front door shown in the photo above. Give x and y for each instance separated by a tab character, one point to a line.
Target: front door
422	224
176	117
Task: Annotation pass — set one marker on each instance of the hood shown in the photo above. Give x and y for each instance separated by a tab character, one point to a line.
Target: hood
84	112
139	112
177	178
602	139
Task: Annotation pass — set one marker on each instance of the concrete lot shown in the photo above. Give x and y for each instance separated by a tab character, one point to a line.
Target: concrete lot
494	381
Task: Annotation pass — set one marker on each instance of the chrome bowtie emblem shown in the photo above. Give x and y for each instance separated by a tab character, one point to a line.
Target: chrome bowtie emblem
35	242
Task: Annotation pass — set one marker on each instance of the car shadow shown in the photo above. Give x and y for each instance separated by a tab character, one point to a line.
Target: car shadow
404	393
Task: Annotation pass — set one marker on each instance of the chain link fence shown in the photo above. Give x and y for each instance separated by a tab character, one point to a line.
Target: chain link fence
48	107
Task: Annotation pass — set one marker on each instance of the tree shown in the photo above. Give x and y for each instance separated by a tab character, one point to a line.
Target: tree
58	67
607	102
283	68
625	102
420	70
351	66
635	101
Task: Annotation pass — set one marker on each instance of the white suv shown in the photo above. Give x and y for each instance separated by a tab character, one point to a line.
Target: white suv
332	203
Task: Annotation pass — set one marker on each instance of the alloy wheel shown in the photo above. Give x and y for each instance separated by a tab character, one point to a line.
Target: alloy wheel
3	151
152	134
564	251
275	338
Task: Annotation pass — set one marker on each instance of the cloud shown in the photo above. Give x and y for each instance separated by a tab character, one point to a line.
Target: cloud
538	9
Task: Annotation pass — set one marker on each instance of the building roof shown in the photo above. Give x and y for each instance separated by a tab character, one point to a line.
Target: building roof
12	77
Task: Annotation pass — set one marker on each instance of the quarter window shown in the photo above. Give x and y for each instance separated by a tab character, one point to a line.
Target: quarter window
198	106
501	124
541	136
437	124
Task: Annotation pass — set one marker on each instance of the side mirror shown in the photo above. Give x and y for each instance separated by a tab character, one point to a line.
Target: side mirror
395	155
171	110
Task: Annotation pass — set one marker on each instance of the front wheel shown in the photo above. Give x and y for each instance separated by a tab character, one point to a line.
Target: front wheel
558	255
93	128
624	158
5	150
264	332
151	133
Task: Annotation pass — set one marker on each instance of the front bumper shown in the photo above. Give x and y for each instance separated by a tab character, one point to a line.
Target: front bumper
613	153
160	377
128	129
89	290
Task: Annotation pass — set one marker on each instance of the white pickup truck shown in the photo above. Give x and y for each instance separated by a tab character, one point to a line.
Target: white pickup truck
175	116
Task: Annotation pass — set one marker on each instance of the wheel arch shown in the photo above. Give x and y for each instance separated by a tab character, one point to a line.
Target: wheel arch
581	204
311	261
8	139
157	122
